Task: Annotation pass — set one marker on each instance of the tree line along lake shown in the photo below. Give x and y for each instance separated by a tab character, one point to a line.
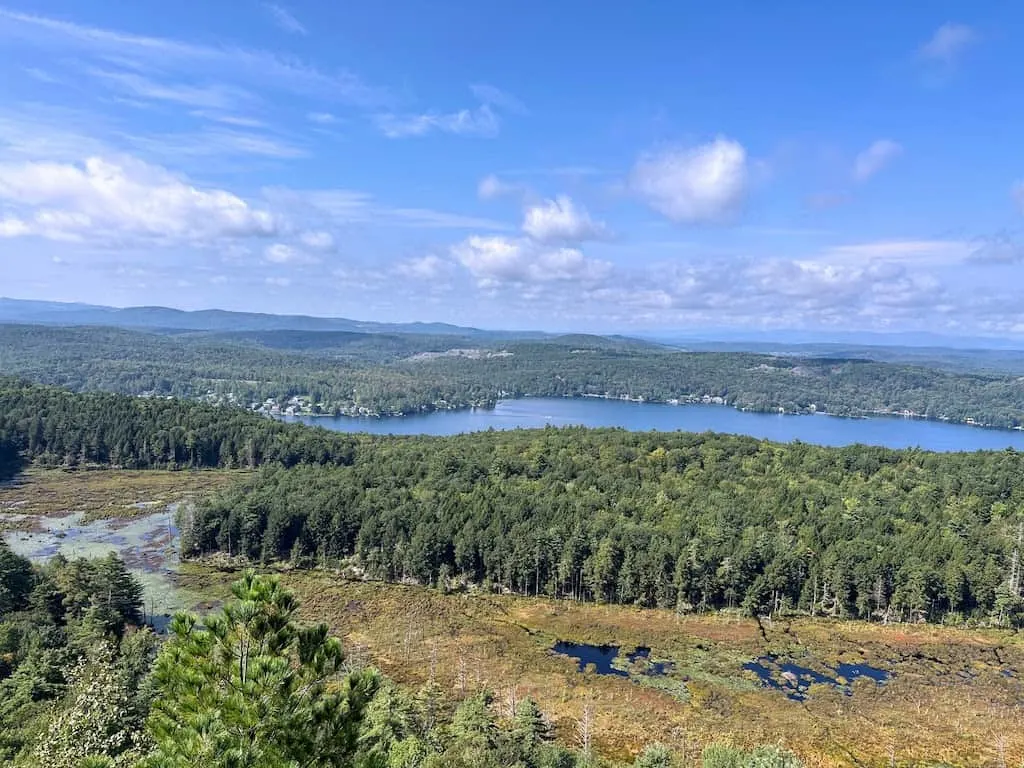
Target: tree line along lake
819	429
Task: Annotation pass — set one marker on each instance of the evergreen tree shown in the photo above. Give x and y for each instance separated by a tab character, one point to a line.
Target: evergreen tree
254	689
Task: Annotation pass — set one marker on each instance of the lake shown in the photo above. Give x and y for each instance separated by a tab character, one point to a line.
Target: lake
818	429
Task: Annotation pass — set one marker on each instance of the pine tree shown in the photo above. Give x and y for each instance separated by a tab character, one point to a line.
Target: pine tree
254	689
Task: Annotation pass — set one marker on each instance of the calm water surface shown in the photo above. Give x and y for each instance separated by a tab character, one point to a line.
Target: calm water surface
594	412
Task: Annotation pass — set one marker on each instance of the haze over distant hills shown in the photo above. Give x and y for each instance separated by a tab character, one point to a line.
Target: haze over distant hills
166	318
783	341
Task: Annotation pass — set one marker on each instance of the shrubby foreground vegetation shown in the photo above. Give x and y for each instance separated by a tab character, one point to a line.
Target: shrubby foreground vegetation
83	686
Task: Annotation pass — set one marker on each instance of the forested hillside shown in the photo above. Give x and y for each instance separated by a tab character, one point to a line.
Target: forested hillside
681	520
388	373
56	427
677	520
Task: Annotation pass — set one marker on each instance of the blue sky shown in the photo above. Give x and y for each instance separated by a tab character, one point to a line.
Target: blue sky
570	165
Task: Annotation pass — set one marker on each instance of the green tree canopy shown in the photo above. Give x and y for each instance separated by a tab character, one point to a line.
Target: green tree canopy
255	689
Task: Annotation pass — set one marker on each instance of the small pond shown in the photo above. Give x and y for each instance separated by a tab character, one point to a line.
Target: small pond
795	680
602	658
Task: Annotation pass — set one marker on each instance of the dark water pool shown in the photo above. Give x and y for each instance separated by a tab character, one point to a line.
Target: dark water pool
602	657
794	680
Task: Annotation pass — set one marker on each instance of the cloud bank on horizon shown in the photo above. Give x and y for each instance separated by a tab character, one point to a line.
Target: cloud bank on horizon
659	168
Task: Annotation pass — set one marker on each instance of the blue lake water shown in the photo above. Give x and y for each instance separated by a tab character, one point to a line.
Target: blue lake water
594	412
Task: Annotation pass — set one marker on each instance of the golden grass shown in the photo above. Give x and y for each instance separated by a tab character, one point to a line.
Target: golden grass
105	492
927	714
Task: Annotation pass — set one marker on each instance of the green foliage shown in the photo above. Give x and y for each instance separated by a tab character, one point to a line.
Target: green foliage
673	520
255	689
16	580
394	373
71	676
655	756
725	756
56	427
103	710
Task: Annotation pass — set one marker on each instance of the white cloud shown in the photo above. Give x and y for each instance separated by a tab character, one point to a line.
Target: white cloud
285	19
121	198
278	282
318	240
998	249
495	261
491	187
560	221
948	43
482	121
322	118
876	157
701	184
428	267
280	253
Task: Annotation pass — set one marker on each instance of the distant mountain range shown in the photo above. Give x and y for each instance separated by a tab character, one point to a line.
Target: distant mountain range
788	342
165	318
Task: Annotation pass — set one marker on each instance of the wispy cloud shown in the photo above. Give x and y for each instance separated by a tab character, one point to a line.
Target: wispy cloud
180	58
346	206
875	158
948	43
42	76
239	121
483	120
285	19
495	97
931	252
214	96
216	142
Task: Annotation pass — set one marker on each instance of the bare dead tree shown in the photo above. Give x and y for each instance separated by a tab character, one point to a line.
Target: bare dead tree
585	728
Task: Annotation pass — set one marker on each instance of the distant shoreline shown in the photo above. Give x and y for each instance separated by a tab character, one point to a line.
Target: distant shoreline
636	400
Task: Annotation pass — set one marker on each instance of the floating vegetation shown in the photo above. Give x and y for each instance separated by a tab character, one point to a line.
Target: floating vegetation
147	543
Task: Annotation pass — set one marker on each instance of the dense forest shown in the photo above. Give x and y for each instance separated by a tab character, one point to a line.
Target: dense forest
678	520
681	520
84	685
55	427
341	372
